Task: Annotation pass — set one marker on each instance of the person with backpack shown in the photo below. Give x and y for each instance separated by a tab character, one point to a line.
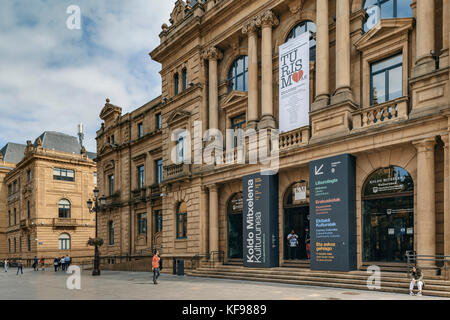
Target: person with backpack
35	263
293	243
56	263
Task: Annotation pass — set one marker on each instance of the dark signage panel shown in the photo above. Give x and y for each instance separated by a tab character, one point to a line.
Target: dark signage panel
260	220
333	213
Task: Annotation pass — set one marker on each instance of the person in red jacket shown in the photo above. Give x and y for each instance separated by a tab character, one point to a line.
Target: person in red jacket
155	266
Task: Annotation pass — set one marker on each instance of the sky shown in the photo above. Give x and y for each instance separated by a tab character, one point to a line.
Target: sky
54	76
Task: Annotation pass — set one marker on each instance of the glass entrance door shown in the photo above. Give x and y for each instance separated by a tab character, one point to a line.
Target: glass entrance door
235	249
296	219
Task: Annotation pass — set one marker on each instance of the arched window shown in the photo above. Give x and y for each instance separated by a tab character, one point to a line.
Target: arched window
302	27
238	75
388	215
385	9
181	220
64	241
64	208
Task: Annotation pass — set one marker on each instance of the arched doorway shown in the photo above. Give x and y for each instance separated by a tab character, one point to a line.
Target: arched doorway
296	217
234	219
388	215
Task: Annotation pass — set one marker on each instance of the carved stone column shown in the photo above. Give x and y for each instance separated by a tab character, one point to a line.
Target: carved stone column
322	56
213	55
342	50
213	218
204	220
267	21
251	30
424	37
426	216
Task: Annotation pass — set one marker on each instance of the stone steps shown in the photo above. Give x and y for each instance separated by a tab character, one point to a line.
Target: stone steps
390	282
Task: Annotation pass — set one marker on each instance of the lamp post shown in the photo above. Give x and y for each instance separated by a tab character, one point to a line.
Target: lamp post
101	201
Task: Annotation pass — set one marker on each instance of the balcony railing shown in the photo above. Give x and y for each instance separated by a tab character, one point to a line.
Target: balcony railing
175	171
63	222
381	113
295	138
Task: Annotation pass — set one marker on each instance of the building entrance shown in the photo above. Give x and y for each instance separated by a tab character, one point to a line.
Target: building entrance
234	230
388	215
296	219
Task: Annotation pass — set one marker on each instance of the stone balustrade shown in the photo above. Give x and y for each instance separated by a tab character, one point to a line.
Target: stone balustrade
381	113
175	171
294	138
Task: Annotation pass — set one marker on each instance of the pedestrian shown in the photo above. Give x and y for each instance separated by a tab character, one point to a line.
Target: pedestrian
35	263
55	263
416	279
67	261
5	264
19	267
293	243
155	266
63	263
42	263
308	244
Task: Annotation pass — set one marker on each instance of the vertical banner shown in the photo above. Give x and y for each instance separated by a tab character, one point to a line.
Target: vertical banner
260	220
333	213
294	83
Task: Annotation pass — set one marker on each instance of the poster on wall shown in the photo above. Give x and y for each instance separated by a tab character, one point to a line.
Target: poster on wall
294	83
260	221
333	213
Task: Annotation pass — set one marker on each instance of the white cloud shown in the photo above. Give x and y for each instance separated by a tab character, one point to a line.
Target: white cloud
52	78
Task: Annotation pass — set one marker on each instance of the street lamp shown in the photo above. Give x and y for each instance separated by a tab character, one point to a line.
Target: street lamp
97	201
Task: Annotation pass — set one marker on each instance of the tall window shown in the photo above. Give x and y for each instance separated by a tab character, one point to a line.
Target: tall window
29	242
236	124
176	83
142	223
181	219
159	170
9	189
64	241
184	79
29	175
9	245
141	177
15	216
113	140
64	209
111	232
158	121
384	9
15	245
111	184
158	221
63	174
181	146
238	75
386	80
9	217
301	28
140	130
28	210
15	186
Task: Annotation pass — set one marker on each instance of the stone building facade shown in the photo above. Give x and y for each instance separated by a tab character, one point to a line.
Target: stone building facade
44	187
379	90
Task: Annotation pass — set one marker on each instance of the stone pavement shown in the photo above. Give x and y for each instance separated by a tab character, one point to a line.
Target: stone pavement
118	285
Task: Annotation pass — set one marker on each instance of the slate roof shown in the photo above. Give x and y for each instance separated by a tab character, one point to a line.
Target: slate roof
13	152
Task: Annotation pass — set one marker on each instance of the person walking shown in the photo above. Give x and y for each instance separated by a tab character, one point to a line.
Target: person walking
63	263
155	266
42	263
55	263
19	267
416	280
293	243
35	263
5	264
67	261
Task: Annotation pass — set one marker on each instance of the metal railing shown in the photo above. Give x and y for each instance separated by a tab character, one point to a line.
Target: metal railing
440	261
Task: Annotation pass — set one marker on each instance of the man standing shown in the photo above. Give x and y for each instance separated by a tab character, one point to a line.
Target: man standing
155	266
6	264
67	262
35	263
293	243
19	266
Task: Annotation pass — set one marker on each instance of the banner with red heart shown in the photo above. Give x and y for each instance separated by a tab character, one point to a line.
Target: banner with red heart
297	76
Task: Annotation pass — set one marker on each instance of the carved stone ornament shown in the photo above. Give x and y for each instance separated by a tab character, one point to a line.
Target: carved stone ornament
295	6
267	19
250	27
178	12
212	53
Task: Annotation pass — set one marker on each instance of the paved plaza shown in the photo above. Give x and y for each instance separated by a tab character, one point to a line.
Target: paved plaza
118	285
